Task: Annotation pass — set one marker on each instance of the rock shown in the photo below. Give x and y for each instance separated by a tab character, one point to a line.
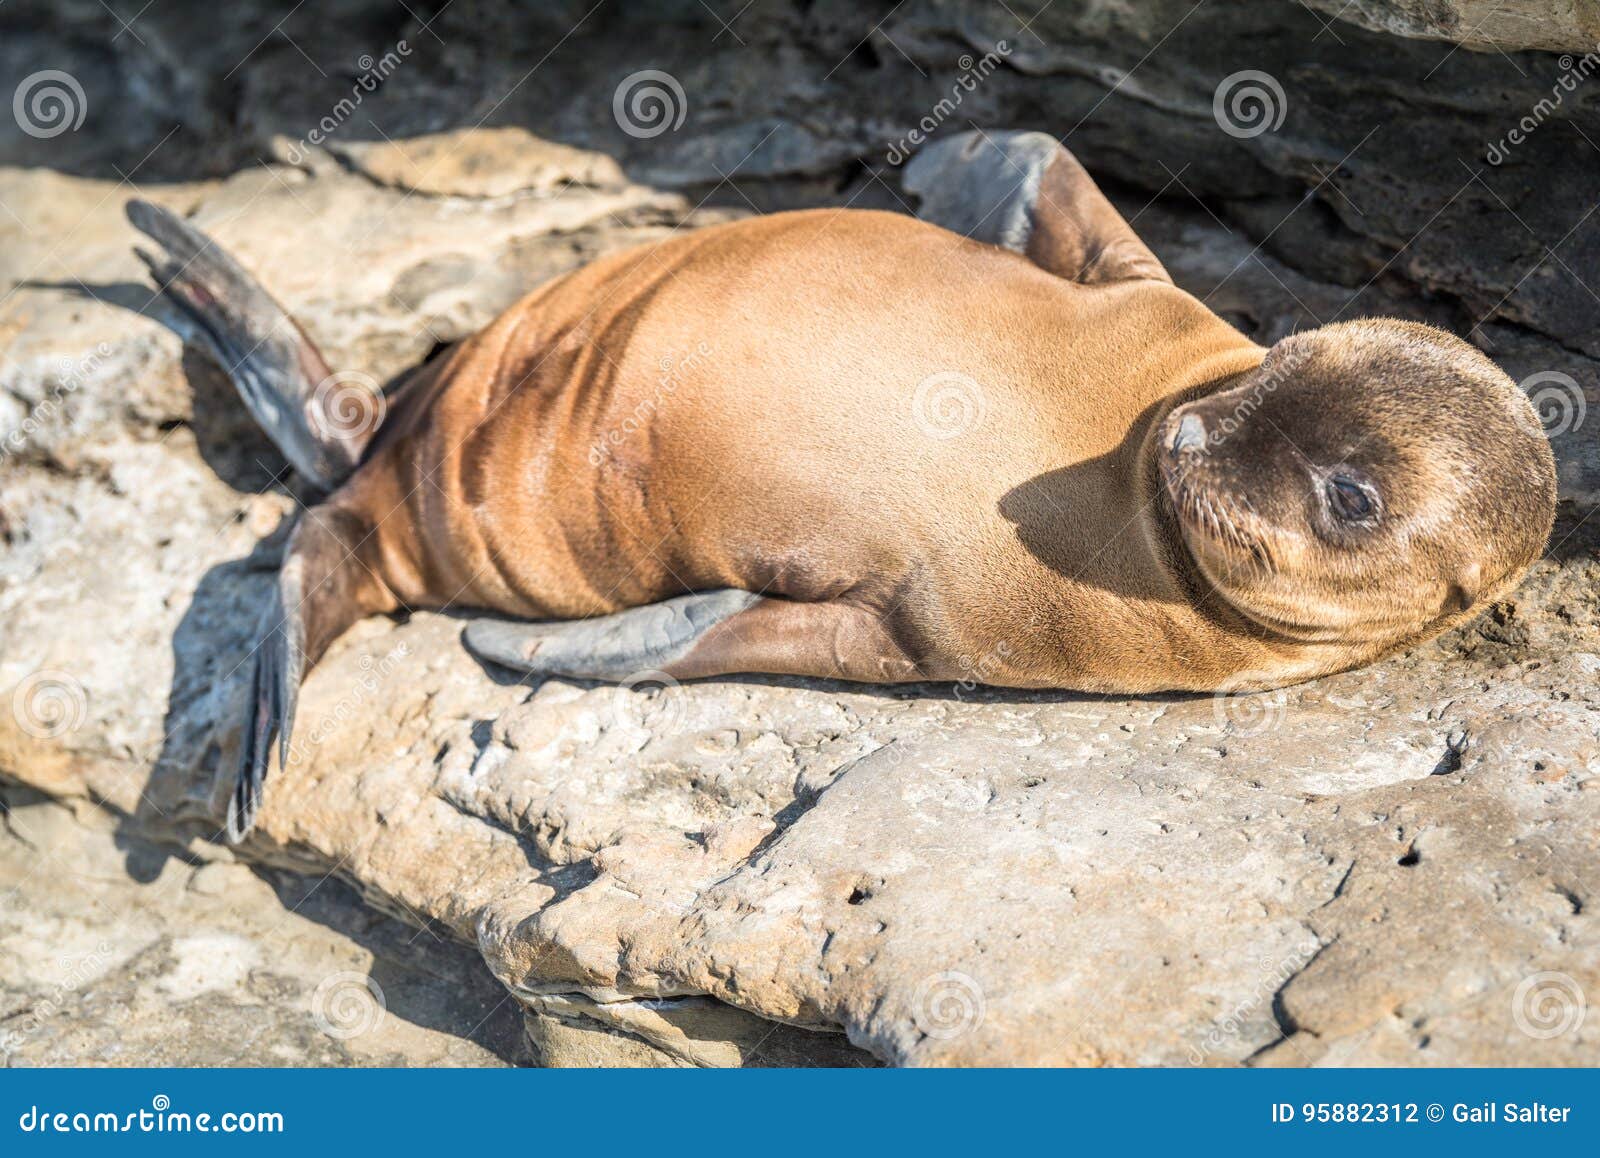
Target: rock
106	958
490	163
1385	867
1563	26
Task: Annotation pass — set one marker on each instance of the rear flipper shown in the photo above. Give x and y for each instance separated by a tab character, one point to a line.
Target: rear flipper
1025	192
324	585
302	405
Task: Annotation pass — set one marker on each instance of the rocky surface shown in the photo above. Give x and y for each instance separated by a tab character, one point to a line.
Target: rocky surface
116	951
1392	866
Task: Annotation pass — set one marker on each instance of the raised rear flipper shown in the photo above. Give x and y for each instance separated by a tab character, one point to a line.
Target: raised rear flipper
1025	192
282	378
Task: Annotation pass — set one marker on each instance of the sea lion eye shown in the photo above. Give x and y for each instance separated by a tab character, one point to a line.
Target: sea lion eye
1349	499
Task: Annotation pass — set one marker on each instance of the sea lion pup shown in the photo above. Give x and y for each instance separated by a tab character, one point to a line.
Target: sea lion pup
856	445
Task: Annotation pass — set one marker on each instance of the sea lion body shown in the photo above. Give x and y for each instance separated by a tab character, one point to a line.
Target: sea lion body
632	432
855	445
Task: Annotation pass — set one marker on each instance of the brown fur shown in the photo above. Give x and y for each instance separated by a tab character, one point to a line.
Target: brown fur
736	408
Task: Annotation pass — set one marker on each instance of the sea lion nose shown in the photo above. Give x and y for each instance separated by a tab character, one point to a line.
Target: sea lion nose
1190	435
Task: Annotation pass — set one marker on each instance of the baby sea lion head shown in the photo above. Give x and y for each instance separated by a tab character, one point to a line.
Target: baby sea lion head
1370	484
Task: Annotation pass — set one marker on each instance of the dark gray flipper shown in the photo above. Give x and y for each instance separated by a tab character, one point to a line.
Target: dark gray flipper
609	647
982	187
285	382
326	583
278	666
1025	192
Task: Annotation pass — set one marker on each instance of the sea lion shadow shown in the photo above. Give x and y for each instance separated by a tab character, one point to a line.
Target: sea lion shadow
1045	513
227	438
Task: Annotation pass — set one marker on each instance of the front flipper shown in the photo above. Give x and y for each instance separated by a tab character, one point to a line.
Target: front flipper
1025	192
608	647
713	633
